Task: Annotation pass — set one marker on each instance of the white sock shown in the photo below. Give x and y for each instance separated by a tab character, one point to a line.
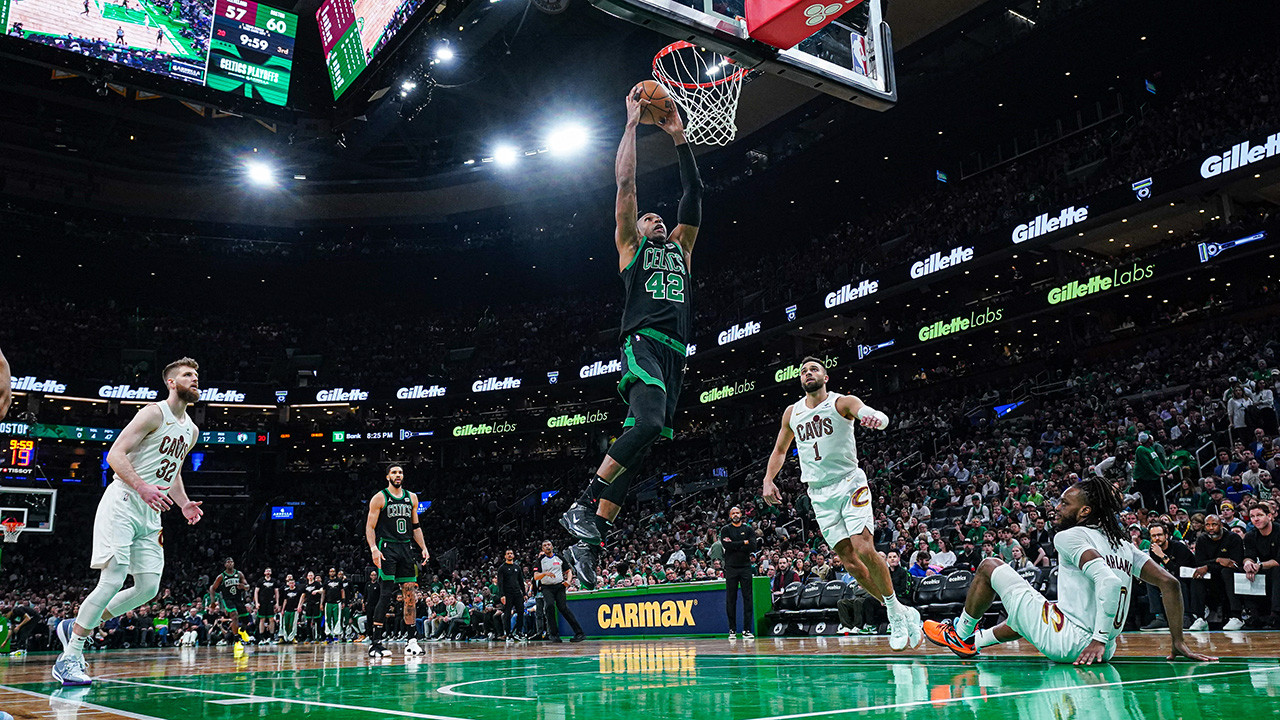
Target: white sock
891	604
966	625
985	638
75	647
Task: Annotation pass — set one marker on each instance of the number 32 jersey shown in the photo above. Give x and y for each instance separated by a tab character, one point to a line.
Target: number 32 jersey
824	441
159	457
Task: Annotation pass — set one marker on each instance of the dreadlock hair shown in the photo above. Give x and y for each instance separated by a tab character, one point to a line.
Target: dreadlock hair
1107	504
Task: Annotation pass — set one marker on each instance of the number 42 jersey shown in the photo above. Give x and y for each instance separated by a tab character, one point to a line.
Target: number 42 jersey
824	441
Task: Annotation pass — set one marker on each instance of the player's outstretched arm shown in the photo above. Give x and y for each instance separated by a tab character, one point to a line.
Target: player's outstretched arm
625	235
689	213
144	423
851	406
370	529
417	530
6	389
776	458
1171	595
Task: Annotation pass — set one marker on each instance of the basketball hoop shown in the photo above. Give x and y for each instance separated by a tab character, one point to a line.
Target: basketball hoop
12	529
706	85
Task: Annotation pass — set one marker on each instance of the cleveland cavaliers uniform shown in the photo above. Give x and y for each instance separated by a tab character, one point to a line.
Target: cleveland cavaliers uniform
829	467
125	530
1062	630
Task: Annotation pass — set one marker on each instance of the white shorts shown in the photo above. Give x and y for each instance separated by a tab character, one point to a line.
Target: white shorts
1040	621
843	508
126	532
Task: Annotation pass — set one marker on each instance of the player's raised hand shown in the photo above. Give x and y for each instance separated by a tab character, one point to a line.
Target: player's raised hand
771	493
154	497
1180	649
192	512
672	123
635	105
871	422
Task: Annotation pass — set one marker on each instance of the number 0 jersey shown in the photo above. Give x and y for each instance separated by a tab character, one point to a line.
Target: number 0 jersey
397	516
824	441
658	291
161	453
1075	590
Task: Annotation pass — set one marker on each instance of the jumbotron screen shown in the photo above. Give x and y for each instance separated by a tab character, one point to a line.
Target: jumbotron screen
235	46
352	32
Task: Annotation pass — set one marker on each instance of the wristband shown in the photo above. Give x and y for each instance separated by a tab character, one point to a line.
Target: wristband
867	412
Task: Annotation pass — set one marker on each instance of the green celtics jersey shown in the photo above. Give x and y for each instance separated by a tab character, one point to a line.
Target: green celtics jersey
397	517
658	291
230	584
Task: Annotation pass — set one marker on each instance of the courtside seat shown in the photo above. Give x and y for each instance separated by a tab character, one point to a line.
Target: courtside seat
826	610
954	589
1051	585
1031	575
928	592
790	597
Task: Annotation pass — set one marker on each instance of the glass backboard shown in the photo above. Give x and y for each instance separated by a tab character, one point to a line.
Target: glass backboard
36	507
851	58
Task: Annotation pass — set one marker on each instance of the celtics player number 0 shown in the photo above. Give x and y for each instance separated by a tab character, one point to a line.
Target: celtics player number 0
665	286
401	526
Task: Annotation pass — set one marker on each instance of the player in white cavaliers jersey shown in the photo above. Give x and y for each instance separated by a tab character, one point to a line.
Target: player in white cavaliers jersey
821	423
1097	563
147	459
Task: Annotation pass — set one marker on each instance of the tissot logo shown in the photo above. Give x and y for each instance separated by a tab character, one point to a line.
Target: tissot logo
850	292
959	324
126	392
1239	156
483	429
418	392
669	613
1044	224
791	372
31	384
508	383
737	332
939	261
221	396
600	367
340	395
721	393
560	421
1077	289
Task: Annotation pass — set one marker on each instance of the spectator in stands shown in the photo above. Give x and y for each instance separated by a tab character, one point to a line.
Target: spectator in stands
1225	467
1218	555
1171	555
944	558
1148	470
920	568
1262	557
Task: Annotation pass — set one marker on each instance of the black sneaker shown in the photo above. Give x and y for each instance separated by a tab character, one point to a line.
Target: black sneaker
376	650
1157	623
556	640
577	638
580	521
582	561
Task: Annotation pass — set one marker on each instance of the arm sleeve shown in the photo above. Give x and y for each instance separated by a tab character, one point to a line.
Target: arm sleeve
690	210
1104	466
1106	593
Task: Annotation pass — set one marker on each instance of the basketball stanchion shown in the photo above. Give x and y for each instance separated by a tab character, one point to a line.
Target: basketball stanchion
706	86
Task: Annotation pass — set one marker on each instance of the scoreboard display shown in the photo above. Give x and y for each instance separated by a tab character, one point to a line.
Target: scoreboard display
17	455
235	46
251	52
352	32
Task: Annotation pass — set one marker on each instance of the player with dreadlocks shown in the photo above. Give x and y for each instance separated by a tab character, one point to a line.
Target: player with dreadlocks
1097	561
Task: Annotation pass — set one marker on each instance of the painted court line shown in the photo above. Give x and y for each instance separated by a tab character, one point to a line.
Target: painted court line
290	701
83	704
1015	693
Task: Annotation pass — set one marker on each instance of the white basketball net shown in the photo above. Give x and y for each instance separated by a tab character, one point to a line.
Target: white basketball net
12	531
705	85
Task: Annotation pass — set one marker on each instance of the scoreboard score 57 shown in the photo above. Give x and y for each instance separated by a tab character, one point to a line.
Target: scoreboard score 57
251	51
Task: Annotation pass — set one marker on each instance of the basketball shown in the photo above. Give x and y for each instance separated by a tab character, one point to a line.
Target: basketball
655	93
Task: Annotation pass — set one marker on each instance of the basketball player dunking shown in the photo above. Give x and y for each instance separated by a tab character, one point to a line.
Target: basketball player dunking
655	327
821	423
230	587
147	459
391	525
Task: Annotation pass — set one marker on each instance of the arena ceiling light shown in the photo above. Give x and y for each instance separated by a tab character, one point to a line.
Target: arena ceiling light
444	53
505	155
260	173
567	139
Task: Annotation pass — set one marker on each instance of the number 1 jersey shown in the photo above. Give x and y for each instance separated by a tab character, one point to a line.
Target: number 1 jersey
658	291
824	442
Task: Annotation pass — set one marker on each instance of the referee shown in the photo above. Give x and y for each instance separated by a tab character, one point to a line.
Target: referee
739	542
552	579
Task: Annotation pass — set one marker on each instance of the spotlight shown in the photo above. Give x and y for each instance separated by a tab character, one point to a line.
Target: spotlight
260	173
505	155
444	53
567	139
